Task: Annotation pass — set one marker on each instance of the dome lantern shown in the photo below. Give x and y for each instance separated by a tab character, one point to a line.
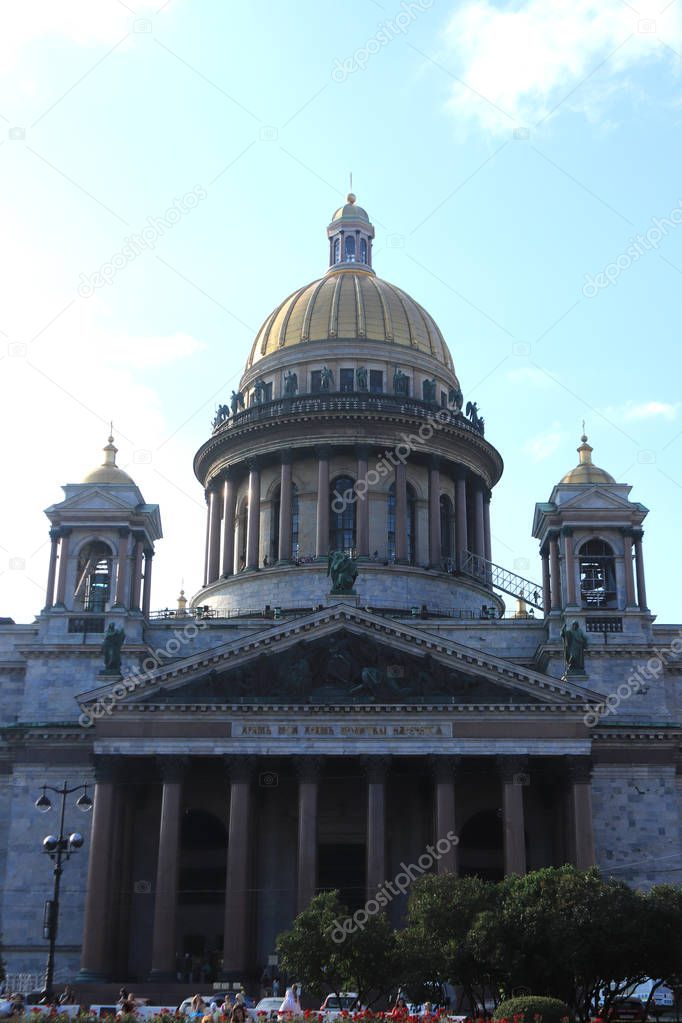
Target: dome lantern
350	236
586	471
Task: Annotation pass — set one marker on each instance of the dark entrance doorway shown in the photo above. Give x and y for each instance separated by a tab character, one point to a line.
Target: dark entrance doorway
481	846
341	865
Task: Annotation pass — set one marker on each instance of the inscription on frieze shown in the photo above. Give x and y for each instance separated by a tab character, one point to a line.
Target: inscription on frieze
343	731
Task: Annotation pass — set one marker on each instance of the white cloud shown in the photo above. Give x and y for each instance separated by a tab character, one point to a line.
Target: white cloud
523	59
544	444
650	410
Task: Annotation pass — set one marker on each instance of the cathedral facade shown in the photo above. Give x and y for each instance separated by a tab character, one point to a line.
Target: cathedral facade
357	680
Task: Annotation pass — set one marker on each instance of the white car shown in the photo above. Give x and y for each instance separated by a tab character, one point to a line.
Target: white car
334	1005
270	1006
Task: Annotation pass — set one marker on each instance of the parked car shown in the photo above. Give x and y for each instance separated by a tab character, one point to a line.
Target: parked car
627	1010
215	996
334	1005
270	1006
5	1007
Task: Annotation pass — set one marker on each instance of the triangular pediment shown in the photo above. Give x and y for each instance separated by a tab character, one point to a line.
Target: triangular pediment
95	499
594	498
347	656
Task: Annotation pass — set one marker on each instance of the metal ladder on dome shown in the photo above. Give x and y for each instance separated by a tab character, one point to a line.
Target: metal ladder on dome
500	578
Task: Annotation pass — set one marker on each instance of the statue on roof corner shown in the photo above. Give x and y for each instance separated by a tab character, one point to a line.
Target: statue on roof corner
341	568
575	642
111	649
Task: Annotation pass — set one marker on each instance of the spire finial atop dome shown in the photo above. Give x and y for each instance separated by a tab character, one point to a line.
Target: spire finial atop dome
586	471
350	236
108	471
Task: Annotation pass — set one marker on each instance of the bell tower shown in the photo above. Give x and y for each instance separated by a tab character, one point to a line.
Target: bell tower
590	535
102	544
350	237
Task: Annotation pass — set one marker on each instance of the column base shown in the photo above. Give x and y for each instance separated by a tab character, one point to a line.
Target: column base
90	977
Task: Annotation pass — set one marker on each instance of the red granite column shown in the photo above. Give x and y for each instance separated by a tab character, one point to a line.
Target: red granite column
445	818
285	510
630	599
462	538
376	823
238	895
229	505
95	955
546	586
581	800
164	948
147	591
554	576
435	540
308	769
52	570
639	569
487	538
514	779
362	504
322	528
479	519
253	520
65	534
208	535
122	569
400	513
569	562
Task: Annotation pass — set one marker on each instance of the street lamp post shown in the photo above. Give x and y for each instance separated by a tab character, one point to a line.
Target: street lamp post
59	848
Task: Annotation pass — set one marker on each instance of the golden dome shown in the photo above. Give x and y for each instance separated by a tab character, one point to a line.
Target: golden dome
350	211
346	305
585	471
108	471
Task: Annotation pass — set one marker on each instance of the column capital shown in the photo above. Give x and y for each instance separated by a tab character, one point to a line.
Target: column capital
362	451
637	534
376	768
460	474
230	473
323	451
286	457
579	770
139	535
627	532
171	768
553	534
149	553
254	463
444	768
487	494
65	531
55	533
567	530
513	770
240	768
434	462
307	768
107	770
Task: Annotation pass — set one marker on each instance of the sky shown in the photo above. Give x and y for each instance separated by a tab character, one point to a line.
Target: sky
520	163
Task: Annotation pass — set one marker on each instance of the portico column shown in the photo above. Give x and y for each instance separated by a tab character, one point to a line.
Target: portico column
487	539
514	781
285	509
400	513
435	540
581	805
461	539
137	572
207	497
554	577
65	535
376	823
95	954
147	591
253	521
639	569
164	947
479	538
308	769
52	570
362	504
322	526
122	569
444	777
236	947
546	588
630	599
569	562
229	504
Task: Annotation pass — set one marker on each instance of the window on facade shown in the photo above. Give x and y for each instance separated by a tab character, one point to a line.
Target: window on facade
342	514
316	381
409	523
363	250
93	581
346	379
597	574
446	527
376	381
337	250
349	248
